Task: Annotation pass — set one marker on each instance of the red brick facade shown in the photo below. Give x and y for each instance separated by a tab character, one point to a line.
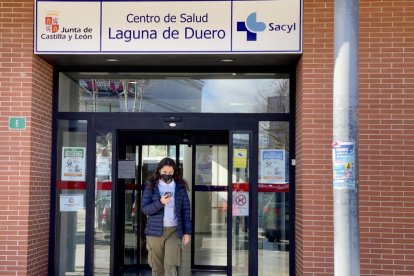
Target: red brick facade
386	137
25	90
386	116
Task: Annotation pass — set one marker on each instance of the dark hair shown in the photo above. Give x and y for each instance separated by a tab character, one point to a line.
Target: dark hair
153	179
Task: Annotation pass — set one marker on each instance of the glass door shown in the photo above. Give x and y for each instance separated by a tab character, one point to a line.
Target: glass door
136	162
205	168
274	234
232	214
210	206
241	232
122	119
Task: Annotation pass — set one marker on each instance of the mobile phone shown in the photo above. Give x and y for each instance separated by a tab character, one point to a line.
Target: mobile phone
168	194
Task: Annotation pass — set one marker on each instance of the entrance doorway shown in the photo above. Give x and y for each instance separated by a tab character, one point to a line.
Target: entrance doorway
202	158
109	124
214	158
238	176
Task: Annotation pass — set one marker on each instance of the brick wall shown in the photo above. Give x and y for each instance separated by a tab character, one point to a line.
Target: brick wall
314	215
387	137
386	117
25	90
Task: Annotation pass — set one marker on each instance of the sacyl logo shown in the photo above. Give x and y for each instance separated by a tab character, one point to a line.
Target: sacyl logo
251	26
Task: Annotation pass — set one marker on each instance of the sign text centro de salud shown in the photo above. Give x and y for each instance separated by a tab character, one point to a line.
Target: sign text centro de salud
273	26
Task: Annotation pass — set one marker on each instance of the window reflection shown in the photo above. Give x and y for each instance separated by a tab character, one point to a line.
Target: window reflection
240	204
210	227
103	206
273	198
95	93
70	213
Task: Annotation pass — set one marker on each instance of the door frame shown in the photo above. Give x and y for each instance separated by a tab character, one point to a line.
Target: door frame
174	138
233	123
98	122
112	122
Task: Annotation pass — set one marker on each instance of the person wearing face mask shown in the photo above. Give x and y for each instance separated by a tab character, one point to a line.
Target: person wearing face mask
166	204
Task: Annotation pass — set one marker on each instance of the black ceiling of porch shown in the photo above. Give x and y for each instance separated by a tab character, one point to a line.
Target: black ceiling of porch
176	60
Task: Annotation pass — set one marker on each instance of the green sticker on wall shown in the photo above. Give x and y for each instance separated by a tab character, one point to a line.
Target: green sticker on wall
17	123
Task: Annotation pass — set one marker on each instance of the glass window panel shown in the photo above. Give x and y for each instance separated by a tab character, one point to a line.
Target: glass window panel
130	211
210	234
211	165
71	191
103	203
186	163
127	92
240	197
151	155
273	209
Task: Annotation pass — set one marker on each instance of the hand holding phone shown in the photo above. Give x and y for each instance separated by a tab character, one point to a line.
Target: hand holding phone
166	197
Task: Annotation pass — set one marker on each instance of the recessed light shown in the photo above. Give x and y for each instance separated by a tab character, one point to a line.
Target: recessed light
112	59
227	60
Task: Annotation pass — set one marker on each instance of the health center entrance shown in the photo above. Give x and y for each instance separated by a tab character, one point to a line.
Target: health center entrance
202	158
238	167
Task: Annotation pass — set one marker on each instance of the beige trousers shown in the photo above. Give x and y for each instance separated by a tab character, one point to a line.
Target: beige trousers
164	253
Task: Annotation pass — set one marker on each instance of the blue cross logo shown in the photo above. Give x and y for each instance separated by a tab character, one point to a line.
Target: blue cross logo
251	26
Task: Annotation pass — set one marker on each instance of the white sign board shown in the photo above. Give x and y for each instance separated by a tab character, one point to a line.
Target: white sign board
73	163
126	169
240	204
273	26
103	166
71	203
272	166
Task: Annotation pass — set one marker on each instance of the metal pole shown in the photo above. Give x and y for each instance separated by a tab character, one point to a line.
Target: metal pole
345	138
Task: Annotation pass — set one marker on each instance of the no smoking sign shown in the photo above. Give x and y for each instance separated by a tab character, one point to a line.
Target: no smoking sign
241	200
240	204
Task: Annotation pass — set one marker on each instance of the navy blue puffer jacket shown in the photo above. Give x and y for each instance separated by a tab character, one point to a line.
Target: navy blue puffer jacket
154	209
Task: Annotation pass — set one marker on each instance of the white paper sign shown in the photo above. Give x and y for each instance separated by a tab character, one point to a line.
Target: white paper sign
73	163
71	203
273	26
102	166
126	169
240	203
272	166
